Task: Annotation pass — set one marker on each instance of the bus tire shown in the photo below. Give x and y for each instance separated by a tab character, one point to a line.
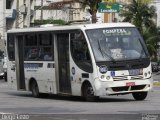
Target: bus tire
88	93
139	95
35	89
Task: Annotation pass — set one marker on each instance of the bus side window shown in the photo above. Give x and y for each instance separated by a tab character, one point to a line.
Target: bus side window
30	47
80	52
39	47
47	46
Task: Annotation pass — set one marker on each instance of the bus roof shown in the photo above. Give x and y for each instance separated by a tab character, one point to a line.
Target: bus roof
70	27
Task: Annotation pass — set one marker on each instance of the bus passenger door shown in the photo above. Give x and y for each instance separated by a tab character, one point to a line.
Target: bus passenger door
11	72
19	59
63	62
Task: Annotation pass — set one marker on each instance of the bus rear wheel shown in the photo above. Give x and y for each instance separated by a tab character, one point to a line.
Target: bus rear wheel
139	95
35	89
88	93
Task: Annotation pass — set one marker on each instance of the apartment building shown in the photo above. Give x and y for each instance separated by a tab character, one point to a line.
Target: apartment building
67	10
7	16
14	14
156	3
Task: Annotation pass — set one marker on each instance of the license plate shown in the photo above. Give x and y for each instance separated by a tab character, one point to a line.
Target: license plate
130	84
134	72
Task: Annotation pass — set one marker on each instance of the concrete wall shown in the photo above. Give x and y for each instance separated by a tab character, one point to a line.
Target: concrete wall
73	12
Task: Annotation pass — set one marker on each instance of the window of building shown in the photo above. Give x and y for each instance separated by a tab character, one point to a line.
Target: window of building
9	4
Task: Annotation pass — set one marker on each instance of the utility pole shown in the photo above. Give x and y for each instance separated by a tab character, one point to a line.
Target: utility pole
3	36
17	16
29	13
41	10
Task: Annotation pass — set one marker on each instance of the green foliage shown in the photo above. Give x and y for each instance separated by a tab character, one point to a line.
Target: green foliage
157	84
50	21
141	15
152	37
144	1
93	4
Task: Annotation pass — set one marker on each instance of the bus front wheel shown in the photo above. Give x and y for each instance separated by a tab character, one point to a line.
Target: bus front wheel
88	93
35	89
139	95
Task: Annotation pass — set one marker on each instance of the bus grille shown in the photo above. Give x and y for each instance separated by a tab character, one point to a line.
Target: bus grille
138	87
117	89
121	78
126	88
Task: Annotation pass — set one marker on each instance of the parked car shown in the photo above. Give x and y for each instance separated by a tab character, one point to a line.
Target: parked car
155	66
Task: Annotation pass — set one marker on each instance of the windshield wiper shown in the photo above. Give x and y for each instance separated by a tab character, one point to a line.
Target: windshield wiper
104	53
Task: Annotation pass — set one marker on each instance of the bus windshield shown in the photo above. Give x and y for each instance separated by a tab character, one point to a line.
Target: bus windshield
116	44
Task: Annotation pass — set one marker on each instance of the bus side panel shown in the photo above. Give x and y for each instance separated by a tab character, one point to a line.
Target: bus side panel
75	78
44	76
11	74
81	68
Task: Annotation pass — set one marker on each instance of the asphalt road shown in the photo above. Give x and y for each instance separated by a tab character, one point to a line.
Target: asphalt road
156	76
21	105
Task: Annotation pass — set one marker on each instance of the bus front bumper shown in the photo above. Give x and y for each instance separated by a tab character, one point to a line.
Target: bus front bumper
105	88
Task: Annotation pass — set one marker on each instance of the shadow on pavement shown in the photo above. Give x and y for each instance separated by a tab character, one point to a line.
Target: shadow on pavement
69	98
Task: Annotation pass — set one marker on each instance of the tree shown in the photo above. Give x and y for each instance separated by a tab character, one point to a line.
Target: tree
139	13
49	21
152	38
93	4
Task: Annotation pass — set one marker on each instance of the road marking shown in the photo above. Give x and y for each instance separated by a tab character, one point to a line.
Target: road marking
2	113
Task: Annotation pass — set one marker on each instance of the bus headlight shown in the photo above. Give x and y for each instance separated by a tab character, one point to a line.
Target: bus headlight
149	72
102	76
103	69
145	74
108	77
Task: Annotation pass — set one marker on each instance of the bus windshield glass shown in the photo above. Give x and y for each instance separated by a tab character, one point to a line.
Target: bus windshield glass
116	44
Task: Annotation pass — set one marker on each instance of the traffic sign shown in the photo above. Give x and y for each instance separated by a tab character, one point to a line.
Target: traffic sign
109	8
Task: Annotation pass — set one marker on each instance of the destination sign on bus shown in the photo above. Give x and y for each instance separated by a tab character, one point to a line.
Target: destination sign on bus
32	65
114	32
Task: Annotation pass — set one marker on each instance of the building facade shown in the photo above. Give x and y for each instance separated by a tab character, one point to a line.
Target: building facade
67	10
14	14
157	5
7	18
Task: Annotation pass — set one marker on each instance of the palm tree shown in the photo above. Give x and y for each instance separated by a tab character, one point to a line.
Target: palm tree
93	4
139	13
152	38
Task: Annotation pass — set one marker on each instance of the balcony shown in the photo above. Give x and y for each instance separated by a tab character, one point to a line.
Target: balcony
10	14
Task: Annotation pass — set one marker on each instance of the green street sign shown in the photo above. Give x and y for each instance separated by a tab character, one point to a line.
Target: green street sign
109	8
